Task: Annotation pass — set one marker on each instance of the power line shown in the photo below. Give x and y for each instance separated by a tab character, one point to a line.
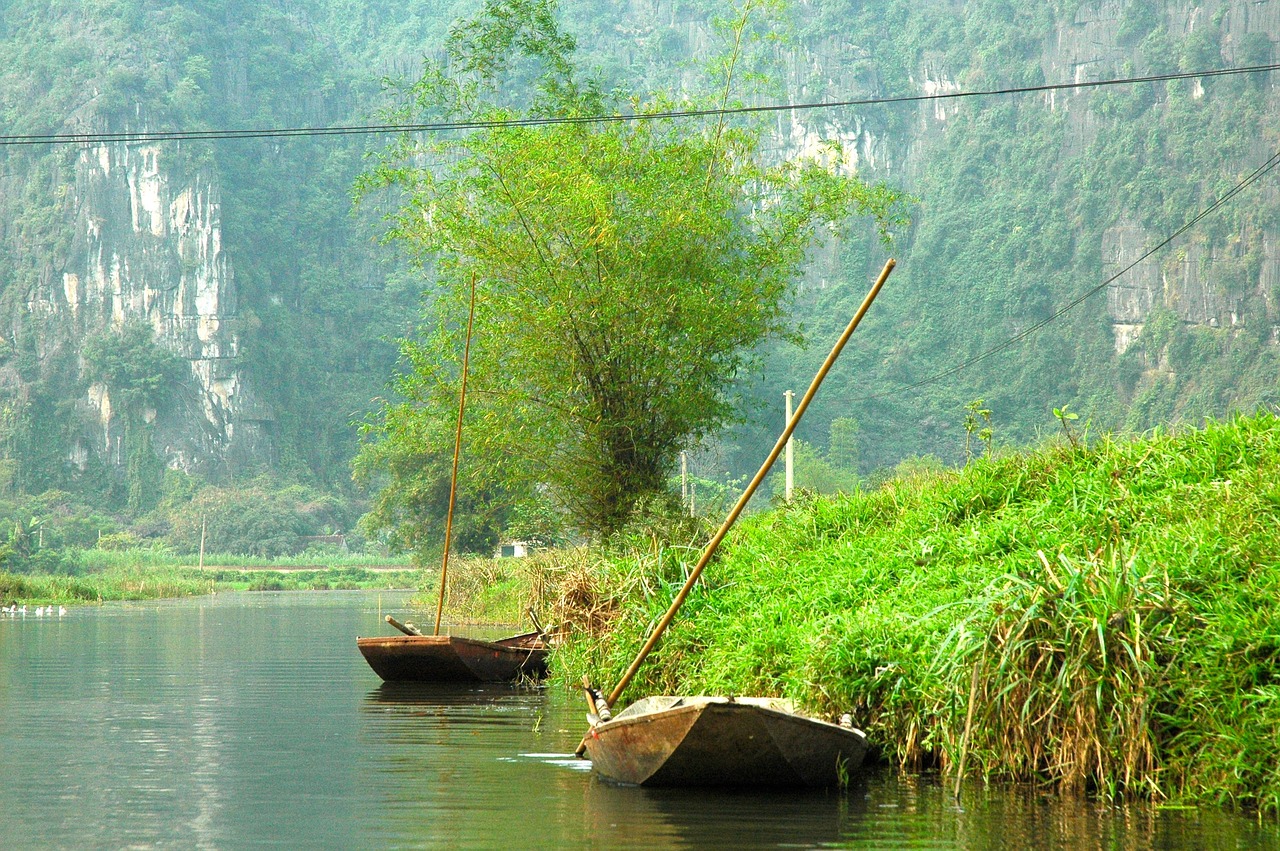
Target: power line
1253	177
444	126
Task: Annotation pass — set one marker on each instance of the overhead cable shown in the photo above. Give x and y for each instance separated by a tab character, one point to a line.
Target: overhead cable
446	126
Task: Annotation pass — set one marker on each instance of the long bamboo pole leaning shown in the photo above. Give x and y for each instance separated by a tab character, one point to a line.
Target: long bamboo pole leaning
714	544
457	452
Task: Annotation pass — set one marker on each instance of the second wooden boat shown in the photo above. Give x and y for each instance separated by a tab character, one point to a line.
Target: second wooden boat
721	741
454	659
414	657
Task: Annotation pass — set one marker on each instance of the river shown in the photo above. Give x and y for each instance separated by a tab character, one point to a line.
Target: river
250	720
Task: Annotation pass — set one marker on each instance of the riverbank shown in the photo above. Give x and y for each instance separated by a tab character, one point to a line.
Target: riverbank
149	582
1100	619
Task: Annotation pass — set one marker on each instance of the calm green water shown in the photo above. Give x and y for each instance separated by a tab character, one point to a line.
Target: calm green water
249	720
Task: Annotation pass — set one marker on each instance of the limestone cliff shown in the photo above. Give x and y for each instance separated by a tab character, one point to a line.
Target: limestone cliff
1204	284
147	245
1224	280
1095	41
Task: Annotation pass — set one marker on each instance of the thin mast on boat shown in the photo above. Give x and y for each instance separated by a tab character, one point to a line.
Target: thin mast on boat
457	451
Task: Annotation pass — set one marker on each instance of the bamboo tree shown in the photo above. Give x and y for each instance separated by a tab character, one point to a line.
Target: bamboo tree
623	281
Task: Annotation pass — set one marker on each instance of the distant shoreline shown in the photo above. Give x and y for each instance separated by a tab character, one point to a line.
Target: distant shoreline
297	568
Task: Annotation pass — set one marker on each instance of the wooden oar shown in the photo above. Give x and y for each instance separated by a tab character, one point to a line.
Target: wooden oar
406	628
457	451
714	544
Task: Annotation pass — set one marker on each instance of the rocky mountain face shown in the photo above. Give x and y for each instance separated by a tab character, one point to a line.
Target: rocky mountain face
1030	200
97	237
139	240
148	246
1200	284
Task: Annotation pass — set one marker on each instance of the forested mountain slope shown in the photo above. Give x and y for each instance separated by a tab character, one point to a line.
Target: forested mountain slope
1027	202
257	312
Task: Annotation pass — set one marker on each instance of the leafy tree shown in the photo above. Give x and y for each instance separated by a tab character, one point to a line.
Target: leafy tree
136	371
977	422
537	523
411	471
260	519
843	449
815	473
138	375
625	270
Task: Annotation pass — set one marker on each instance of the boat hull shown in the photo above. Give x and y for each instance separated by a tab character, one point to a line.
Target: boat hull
718	742
454	659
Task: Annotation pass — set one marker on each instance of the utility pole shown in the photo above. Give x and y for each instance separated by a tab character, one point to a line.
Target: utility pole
202	519
684	480
790	458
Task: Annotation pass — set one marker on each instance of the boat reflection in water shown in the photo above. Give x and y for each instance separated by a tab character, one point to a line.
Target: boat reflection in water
492	766
639	817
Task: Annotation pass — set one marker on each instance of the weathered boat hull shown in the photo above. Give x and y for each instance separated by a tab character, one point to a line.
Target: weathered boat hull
454	659
747	742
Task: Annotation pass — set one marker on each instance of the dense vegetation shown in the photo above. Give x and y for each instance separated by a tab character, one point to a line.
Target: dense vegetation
254	522
135	580
1098	617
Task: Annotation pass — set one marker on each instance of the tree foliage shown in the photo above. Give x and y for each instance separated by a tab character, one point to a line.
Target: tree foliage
625	270
136	371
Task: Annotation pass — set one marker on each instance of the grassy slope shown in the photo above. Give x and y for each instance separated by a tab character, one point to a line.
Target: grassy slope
1102	618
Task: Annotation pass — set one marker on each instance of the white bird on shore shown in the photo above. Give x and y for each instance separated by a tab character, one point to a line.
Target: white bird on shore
23	610
39	611
62	610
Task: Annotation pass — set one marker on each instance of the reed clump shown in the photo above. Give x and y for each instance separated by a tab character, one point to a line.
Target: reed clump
1102	619
503	590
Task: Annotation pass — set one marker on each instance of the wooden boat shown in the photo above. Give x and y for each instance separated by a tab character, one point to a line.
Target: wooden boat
454	659
414	657
722	741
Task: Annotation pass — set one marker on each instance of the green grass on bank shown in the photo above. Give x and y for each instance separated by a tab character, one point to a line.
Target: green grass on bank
141	582
1103	619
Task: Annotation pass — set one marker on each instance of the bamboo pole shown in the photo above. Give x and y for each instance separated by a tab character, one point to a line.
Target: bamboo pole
711	547
457	451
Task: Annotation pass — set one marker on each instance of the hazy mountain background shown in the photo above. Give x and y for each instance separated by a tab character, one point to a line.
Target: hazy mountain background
259	316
